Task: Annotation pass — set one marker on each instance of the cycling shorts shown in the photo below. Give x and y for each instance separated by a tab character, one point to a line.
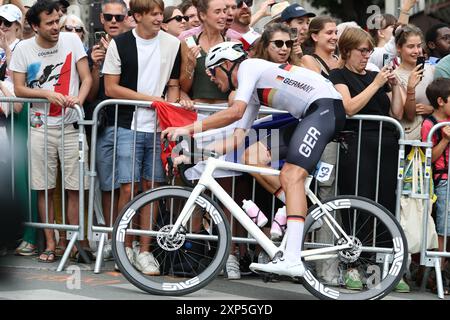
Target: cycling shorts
302	143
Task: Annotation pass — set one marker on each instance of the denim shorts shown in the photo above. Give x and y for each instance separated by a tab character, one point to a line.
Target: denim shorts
105	160
144	154
441	192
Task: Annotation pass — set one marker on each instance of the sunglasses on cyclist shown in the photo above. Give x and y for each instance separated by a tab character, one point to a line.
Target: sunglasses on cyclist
71	28
178	18
280	43
212	70
5	22
108	17
248	3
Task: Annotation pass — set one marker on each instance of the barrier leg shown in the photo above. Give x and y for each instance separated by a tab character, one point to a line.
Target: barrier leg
66	254
440	286
99	259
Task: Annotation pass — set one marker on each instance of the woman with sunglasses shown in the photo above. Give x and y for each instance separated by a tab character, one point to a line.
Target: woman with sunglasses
72	23
276	44
174	22
10	32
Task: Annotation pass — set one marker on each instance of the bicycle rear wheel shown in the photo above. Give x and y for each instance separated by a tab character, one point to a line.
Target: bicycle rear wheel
187	262
378	257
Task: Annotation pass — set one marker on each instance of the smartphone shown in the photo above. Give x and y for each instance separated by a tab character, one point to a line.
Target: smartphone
98	35
386	59
421	61
190	41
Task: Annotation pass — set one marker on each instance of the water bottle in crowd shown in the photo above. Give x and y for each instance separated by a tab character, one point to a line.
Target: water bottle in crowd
36	120
254	213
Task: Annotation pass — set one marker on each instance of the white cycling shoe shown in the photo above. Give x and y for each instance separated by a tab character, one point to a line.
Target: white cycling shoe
281	267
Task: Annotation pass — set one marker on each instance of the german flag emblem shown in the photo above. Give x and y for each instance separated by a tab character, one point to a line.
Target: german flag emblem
280	78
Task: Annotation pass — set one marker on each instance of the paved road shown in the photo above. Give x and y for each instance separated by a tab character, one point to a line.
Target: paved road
28	279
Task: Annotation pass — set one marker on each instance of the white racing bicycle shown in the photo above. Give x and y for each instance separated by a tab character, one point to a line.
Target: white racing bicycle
190	238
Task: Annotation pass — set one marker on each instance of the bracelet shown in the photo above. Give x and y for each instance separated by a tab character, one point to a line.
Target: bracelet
173	85
411	92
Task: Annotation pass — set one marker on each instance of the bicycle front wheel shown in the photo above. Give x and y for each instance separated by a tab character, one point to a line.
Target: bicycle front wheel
186	262
371	268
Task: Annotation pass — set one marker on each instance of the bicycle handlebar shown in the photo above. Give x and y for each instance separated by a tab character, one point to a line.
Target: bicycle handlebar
195	154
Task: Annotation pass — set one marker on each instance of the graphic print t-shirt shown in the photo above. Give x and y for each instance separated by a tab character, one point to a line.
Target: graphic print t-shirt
283	87
51	69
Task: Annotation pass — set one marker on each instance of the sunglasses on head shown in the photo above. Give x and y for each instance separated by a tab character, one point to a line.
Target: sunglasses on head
71	28
178	18
240	3
108	17
5	22
280	43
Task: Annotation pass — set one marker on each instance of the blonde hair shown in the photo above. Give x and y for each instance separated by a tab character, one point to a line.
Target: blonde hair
78	21
145	6
351	39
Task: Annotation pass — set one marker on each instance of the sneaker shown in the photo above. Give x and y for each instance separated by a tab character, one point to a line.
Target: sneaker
232	268
27	250
402	287
278	225
280	266
254	213
147	264
352	280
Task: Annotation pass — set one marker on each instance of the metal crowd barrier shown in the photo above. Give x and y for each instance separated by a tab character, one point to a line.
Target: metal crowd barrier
433	258
74	232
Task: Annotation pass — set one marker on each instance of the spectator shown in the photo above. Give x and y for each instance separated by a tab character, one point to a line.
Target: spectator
231	8
366	92
190	11
130	23
443	68
10	29
323	38
242	21
27	31
438	92
296	17
194	79
131	68
72	23
437	40
409	40
174	22
47	64
62	7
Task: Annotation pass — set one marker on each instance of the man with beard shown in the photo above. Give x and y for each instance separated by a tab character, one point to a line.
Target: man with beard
242	21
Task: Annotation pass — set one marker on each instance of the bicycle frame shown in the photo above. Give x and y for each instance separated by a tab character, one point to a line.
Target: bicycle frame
207	181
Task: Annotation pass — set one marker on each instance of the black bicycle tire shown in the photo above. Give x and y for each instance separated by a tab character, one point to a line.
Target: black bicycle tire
209	274
321	291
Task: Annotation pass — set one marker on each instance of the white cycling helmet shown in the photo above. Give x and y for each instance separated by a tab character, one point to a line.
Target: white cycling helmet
231	51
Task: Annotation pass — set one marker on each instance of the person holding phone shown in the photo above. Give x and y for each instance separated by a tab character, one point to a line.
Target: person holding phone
414	76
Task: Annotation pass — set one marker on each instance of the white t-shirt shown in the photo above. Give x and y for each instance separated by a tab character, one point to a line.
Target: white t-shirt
149	65
283	87
12	46
51	69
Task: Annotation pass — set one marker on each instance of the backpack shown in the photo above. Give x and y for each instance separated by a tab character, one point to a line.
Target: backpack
439	172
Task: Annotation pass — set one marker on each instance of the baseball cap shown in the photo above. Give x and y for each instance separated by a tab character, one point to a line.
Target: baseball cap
295	11
11	13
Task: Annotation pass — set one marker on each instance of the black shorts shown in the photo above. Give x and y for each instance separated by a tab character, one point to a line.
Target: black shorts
302	143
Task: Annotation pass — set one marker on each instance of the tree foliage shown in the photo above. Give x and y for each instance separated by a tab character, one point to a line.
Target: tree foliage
349	10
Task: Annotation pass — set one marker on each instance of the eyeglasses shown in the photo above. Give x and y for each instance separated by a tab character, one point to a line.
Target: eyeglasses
178	18
240	3
365	51
5	22
108	17
280	43
71	28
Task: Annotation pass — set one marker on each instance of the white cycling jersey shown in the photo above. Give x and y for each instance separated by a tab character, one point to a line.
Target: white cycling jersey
280	86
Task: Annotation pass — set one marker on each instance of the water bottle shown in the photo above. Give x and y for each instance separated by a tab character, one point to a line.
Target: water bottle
36	120
254	213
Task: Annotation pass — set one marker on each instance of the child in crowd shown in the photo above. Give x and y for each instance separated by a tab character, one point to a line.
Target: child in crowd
438	92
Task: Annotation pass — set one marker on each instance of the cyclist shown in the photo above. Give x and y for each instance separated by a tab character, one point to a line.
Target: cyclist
307	96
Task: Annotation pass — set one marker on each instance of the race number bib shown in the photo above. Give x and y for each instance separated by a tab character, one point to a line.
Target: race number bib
323	171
